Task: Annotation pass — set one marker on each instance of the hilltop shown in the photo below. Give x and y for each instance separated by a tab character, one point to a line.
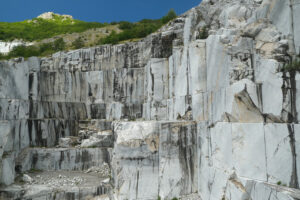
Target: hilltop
51	15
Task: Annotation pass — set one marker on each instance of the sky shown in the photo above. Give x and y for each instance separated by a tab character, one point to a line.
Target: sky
93	10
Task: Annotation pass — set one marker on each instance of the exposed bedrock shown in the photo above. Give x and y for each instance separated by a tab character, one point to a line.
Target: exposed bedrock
175	115
154	159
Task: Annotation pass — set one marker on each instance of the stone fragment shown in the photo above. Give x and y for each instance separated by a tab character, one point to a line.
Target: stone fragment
27	179
244	109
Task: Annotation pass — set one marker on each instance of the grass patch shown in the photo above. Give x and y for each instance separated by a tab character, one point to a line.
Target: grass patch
78	43
33	170
38	29
292	66
203	33
279	183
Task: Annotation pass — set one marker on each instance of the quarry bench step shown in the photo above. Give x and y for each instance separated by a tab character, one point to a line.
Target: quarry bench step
56	185
62	158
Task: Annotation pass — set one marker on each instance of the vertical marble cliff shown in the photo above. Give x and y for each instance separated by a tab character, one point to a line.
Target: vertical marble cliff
175	115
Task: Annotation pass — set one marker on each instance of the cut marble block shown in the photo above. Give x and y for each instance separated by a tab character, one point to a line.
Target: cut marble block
249	154
197	59
7	170
177	159
14	80
149	152
217	69
135	160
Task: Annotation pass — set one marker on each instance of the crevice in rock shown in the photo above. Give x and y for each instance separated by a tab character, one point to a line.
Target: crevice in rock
152	80
293	96
259	96
265	154
137	184
294	176
289	111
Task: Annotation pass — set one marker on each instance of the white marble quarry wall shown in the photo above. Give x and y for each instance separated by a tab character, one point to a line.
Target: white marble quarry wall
208	92
224	117
43	99
205	75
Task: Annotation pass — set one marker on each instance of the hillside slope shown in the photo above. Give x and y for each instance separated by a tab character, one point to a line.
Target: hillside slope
51	32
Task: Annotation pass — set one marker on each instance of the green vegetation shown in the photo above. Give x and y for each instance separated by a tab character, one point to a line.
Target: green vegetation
24	51
33	170
170	16
175	198
137	30
279	183
38	29
78	43
59	45
282	184
203	33
158	198
42	50
292	66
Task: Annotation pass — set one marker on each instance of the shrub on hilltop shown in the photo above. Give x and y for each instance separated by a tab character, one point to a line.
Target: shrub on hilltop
171	15
38	29
78	43
41	50
137	30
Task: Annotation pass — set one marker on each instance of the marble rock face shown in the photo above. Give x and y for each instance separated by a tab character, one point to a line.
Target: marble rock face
175	115
152	159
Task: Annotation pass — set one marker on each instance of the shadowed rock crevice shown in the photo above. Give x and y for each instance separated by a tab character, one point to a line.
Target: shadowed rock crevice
294	176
